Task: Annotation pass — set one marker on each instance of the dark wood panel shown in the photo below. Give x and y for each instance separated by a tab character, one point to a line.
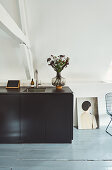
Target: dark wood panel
32	118
36	117
59	118
9	118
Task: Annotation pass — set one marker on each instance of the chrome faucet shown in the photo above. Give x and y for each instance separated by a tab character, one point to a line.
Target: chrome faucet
36	77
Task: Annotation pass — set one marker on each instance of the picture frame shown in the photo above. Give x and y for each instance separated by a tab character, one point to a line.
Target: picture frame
87	111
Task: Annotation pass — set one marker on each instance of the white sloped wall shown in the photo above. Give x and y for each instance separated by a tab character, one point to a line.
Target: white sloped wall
80	29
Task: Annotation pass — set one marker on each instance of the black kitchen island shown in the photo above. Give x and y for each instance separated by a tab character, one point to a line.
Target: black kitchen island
43	117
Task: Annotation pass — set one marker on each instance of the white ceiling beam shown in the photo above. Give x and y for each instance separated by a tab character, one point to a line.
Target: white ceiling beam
22	9
27	49
27	61
9	25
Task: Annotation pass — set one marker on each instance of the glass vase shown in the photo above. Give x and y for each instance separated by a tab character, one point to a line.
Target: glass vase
58	81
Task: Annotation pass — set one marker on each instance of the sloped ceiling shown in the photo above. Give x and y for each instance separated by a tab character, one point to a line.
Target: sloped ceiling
80	29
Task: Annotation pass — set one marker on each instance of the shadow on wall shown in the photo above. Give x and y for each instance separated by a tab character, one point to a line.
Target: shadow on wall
75	116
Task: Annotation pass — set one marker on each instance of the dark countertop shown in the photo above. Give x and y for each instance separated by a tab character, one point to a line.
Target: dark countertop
49	89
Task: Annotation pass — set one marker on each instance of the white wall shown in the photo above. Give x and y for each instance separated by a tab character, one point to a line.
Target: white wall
80	29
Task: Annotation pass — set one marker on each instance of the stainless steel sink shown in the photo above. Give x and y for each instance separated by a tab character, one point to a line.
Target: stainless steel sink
34	90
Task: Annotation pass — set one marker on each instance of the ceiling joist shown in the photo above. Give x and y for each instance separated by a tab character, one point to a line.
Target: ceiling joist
8	25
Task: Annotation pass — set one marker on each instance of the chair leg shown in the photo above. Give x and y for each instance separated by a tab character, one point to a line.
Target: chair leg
108	126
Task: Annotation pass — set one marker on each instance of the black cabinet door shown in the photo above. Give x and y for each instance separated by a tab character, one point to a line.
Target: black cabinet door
59	118
32	118
9	118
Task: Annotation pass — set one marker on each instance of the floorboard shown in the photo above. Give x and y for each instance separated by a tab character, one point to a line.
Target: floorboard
90	149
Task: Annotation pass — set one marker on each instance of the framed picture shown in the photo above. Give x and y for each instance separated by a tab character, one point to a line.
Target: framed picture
87	109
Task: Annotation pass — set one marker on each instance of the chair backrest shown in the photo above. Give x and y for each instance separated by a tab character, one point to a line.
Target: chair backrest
108	99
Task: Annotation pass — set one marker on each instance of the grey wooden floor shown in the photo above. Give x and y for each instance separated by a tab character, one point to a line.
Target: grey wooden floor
91	149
